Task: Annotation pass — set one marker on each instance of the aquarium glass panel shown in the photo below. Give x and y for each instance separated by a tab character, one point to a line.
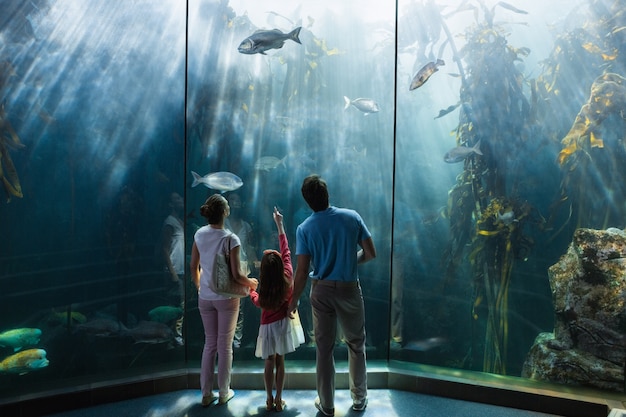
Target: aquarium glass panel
92	146
510	138
278	91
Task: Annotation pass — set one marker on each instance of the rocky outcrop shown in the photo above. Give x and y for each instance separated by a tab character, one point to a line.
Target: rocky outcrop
588	345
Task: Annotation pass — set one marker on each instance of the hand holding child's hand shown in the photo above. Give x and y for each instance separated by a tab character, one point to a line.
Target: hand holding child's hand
254	283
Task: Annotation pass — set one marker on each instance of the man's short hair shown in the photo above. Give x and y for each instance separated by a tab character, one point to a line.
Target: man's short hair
315	192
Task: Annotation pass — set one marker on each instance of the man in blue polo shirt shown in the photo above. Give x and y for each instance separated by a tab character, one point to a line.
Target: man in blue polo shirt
332	241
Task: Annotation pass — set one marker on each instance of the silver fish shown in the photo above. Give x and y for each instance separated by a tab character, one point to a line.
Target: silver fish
262	40
507	218
19	338
268	163
459	153
366	105
221	181
424	74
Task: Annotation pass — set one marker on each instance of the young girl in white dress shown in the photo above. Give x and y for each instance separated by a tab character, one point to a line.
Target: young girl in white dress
278	333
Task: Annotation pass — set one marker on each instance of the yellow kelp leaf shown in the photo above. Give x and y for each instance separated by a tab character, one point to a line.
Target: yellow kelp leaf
550	87
12	184
590	47
478	300
244	107
312	64
487	232
596	142
334	51
566	153
610	57
251	87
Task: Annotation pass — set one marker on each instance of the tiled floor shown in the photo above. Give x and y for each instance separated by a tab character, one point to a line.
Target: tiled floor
382	403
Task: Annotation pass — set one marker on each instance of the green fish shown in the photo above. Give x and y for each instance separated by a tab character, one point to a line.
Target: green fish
62	317
165	314
18	338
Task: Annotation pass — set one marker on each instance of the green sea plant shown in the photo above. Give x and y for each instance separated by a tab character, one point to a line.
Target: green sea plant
483	215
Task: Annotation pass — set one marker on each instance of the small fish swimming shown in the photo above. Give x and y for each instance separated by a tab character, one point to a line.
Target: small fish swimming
221	181
507	218
424	74
366	105
24	362
262	40
459	153
268	163
19	338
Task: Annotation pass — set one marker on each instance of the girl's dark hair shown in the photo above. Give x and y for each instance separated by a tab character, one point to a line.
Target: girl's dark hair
273	285
214	208
315	192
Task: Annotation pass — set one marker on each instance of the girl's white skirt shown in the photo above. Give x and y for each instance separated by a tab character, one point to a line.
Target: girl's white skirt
281	337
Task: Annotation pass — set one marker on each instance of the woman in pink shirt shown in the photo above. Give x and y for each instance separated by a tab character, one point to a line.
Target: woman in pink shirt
278	333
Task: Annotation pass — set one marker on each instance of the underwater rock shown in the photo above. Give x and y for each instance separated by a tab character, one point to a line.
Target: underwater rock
546	362
588	345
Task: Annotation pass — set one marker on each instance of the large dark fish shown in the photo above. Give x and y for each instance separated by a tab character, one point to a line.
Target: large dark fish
151	332
424	74
262	40
102	327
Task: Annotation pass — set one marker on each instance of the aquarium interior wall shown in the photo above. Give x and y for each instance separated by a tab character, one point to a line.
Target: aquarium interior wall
473	138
